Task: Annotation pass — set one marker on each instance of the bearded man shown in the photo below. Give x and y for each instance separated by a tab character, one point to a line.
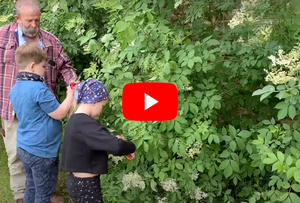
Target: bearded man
26	29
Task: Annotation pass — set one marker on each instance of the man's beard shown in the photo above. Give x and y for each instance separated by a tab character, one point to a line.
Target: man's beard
29	32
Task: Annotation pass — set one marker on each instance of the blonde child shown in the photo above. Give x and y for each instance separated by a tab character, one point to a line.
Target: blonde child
39	128
87	143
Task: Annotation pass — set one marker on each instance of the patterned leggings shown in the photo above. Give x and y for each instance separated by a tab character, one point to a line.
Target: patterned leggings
84	190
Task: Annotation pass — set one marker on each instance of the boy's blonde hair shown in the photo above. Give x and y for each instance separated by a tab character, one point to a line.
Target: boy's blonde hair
28	53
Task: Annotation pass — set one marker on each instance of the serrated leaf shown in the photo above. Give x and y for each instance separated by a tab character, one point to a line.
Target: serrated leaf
245	133
228	171
178	128
224	164
235	166
268	161
282	113
194	109
265	95
240	143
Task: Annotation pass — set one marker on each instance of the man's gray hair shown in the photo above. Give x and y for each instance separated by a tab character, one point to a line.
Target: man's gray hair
21	3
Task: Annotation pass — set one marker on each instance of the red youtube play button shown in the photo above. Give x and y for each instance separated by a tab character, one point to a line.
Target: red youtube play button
150	101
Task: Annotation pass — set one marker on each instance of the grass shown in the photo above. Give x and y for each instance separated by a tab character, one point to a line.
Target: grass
5	192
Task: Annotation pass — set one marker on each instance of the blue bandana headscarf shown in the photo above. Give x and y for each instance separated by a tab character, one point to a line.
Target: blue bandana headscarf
91	91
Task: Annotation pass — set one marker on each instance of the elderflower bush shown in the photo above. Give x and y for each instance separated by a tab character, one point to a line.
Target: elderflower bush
220	148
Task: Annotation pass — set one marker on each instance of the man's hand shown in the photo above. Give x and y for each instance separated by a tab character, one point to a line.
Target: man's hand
70	91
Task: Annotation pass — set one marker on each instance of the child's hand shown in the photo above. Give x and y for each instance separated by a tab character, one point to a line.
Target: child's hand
70	91
130	156
120	137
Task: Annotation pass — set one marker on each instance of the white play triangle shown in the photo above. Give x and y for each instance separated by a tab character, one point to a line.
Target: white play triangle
149	101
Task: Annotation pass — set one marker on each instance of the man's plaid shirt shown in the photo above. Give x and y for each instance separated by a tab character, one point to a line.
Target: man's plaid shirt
58	66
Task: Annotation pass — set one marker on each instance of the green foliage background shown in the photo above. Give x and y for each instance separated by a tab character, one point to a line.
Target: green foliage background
244	148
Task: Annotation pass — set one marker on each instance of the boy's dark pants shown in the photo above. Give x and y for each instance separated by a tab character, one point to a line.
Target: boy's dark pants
41	177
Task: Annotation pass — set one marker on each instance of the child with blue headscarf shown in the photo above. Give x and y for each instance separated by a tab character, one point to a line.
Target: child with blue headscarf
87	143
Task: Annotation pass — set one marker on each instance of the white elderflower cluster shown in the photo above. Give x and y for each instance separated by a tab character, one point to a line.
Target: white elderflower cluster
278	76
285	66
133	180
187	88
194	176
243	14
76	23
116	159
199	194
262	34
195	149
169	185
162	200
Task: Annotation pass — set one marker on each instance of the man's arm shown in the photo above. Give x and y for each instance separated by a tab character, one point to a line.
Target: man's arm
65	70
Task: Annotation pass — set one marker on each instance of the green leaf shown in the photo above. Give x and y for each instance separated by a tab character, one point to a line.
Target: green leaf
181	119
232	145
153	185
228	171
292	111
252	200
128	75
235	166
295	198
167	55
297	135
191	53
262	97
178	128
191	63
224	154
232	131
289	160
63	4
268	161
194	109
163	154
298	163
146	146
290	173
204	103
224	164
296	187
297	175
179	166
240	143
121	26
281	105
212	42
280	156
282	113
245	133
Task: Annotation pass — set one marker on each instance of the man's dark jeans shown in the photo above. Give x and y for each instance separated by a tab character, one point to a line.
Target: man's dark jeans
41	177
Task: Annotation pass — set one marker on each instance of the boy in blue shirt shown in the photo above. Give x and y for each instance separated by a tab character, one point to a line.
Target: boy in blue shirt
39	129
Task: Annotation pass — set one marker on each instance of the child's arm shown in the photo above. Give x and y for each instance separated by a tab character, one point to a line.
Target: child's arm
64	107
98	138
